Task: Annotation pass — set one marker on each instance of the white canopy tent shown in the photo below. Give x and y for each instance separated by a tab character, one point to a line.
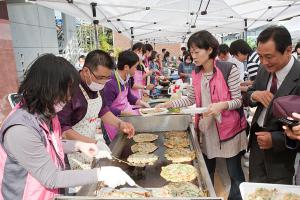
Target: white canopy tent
293	26
174	20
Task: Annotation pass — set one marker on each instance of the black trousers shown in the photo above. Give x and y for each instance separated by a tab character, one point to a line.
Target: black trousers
257	166
235	172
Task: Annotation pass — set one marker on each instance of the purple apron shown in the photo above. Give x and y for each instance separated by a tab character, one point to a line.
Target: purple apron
121	103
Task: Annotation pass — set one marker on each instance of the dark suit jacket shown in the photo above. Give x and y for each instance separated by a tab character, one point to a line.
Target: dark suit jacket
279	161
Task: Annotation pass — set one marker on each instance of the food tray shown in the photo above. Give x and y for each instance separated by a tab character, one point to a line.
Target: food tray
163	111
248	188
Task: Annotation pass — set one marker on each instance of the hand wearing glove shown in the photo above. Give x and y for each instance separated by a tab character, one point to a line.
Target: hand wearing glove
164	105
90	149
113	176
145	104
103	150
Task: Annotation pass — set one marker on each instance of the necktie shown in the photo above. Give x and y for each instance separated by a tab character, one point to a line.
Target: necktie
273	88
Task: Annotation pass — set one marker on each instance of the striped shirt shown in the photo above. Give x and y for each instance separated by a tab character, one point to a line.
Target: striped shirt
253	63
234	89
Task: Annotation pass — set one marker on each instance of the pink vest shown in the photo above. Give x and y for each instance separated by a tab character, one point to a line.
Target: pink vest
33	190
233	121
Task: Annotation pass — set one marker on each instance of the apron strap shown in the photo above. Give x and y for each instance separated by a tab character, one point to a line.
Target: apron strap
118	81
84	93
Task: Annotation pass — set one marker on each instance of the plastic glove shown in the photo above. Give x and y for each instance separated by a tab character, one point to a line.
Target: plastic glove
145	104
103	151
164	105
90	149
113	176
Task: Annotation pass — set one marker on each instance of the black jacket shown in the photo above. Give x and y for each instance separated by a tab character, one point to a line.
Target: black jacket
279	161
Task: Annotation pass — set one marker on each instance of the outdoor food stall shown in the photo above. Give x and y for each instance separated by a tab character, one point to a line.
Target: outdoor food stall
164	159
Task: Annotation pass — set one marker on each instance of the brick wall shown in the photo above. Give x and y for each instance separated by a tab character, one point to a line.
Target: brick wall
8	80
121	41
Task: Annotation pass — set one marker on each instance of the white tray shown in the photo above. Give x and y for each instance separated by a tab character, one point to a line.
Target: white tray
164	111
248	188
193	111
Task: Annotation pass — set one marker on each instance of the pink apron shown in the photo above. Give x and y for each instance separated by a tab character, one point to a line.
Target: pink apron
138	78
121	103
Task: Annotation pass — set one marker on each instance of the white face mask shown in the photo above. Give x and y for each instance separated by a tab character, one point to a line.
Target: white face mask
96	86
59	106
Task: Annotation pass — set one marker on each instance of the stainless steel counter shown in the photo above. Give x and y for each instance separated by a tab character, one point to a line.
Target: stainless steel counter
149	177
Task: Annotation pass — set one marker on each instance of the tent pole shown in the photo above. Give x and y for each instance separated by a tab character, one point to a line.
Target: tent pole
132	36
96	33
245	29
95	22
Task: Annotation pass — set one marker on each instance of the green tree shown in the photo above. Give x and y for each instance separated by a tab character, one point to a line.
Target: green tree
252	42
104	45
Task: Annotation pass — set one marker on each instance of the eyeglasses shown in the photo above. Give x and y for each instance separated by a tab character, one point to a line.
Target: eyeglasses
100	78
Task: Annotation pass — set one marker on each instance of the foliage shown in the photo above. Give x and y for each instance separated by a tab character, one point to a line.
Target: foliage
86	38
252	42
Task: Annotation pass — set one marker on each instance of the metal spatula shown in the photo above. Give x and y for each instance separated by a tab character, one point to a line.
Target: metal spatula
121	161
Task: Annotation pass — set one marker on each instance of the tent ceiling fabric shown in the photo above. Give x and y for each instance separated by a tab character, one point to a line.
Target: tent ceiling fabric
174	20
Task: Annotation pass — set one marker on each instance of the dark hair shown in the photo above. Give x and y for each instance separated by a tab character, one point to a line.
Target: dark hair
186	56
204	40
148	47
82	56
98	57
127	58
153	55
297	47
163	50
138	46
50	79
167	54
183	48
223	49
240	46
279	34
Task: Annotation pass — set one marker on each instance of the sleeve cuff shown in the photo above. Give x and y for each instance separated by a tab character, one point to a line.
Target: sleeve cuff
65	128
291	144
115	111
103	111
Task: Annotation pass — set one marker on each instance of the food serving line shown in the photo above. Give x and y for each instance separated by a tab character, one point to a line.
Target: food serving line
149	177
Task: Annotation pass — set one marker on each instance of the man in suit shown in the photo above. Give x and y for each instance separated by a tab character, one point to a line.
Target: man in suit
270	161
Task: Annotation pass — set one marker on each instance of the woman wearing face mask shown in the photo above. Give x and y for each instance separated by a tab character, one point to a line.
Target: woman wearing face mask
186	67
80	117
222	128
117	91
31	151
140	75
